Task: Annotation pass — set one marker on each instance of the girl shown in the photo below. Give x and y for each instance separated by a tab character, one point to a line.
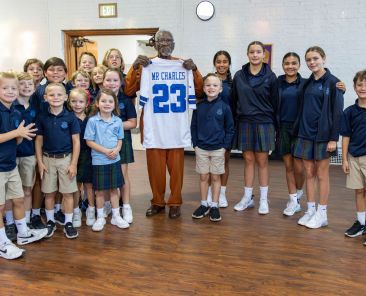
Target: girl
78	102
87	62
113	81
317	129
81	79
104	134
113	59
97	75
255	98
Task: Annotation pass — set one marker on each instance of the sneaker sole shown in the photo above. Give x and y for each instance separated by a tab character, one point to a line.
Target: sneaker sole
15	256
202	216
289	214
354	235
223	205
71	236
240	210
215	219
123	227
263	212
31	240
59	223
311	227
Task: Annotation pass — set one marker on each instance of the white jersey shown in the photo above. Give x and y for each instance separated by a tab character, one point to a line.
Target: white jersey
166	94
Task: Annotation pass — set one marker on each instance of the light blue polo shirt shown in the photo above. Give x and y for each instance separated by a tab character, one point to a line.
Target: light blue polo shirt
106	134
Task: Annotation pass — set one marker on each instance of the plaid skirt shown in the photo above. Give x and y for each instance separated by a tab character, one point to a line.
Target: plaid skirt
85	168
285	140
126	152
256	137
107	176
311	150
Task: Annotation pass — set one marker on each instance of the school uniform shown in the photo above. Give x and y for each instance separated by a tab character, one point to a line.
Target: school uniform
84	168
255	100
57	131
319	118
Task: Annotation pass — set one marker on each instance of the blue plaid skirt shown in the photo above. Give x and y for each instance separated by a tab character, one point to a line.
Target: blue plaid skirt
85	168
126	152
107	176
311	150
256	137
285	140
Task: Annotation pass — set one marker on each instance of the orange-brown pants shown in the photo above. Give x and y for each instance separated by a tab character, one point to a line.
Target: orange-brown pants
157	162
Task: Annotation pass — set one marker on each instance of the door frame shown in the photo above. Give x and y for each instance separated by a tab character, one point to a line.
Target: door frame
70	34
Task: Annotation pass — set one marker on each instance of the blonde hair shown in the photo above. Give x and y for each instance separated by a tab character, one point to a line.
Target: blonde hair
25	76
82	73
78	92
53	85
9	75
108	53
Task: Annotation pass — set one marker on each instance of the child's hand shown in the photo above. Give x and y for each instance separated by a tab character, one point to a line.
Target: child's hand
332	145
42	168
345	166
27	132
71	171
113	153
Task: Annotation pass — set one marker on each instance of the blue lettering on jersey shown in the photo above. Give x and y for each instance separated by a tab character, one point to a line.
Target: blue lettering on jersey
161	100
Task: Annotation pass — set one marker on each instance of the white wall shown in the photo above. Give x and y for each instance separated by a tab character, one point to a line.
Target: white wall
338	26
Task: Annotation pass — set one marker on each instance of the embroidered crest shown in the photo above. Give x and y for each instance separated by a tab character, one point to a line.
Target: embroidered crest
64	125
115	130
121	105
219	111
327	91
32	113
17	122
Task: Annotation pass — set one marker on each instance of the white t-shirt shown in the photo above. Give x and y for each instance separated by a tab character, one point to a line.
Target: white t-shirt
166	94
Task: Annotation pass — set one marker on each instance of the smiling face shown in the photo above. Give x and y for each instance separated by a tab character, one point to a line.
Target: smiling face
55	95
112	81
36	71
164	44
360	88
87	63
55	74
291	66
26	88
212	87
8	91
82	81
315	62
255	54
97	76
78	103
105	104
222	65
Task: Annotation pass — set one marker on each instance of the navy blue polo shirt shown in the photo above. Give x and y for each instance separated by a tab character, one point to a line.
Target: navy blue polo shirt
354	127
57	131
289	101
26	148
313	103
82	124
256	79
9	120
127	110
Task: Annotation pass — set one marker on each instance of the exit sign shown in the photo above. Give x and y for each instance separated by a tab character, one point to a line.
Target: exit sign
107	10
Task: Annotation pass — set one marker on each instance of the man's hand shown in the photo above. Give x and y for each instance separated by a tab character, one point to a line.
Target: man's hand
189	65
141	60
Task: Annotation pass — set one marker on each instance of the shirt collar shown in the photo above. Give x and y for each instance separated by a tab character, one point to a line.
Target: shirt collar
101	119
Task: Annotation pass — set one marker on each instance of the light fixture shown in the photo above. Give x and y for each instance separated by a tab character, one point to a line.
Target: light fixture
205	10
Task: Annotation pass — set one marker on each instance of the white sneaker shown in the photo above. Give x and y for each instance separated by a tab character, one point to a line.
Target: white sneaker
319	219
209	196
31	236
98	224
107	209
292	207
90	217
223	201
244	203
127	214
10	251
299	196
305	219
119	222
263	206
76	219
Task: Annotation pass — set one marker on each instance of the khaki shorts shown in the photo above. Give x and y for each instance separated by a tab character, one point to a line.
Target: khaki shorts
357	172
57	179
210	161
10	186
27	170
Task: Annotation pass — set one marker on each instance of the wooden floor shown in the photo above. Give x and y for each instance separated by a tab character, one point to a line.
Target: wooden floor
244	254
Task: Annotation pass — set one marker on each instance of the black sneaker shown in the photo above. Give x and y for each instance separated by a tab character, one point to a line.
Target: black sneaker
51	227
70	231
60	218
200	212
355	230
36	222
11	232
215	214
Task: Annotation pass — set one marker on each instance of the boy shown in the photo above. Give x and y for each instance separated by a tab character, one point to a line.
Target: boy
12	131
212	130
57	153
354	151
35	68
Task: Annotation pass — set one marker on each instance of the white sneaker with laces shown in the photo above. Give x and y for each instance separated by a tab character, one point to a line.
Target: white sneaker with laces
244	203
223	201
127	214
319	219
10	251
263	206
90	217
292	207
305	219
107	209
209	196
119	222
98	224
32	235
76	219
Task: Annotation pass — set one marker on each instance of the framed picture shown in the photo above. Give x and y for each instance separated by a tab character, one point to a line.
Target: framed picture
268	54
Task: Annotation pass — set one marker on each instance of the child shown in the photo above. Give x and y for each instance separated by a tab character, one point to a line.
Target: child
354	151
81	79
78	101
212	130
35	68
57	152
317	128
12	131
113	81
87	62
113	59
104	134
97	75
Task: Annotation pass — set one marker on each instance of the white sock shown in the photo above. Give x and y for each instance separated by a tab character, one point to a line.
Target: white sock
204	203
311	206
300	192
322	207
36	212
76	211
68	218
91	209
223	189
209	192
126	206
293	196
263	192
248	192
27	216
107	203
3	237
9	217
50	214
213	205
115	212
21	226
361	216
100	213
58	207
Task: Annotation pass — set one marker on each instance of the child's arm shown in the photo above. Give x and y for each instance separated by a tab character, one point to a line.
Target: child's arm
22	131
130	123
345	164
72	169
38	147
97	147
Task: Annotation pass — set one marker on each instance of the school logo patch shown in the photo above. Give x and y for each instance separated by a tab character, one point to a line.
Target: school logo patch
121	105
320	87
327	91
115	130
32	113
64	124
219	112
17	122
